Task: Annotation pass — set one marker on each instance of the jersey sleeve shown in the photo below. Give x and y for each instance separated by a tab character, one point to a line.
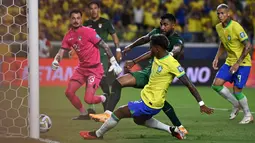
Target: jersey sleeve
153	32
65	44
239	31
110	28
94	37
175	68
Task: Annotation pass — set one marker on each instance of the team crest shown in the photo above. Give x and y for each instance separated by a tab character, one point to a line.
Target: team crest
100	25
160	68
229	37
79	38
180	69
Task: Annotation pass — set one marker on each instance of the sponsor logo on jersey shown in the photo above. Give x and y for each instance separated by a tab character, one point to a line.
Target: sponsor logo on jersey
79	38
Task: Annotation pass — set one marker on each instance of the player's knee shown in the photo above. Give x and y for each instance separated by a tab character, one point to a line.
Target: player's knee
139	121
88	99
216	88
69	93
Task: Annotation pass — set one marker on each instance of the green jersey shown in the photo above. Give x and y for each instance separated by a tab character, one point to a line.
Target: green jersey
102	26
174	39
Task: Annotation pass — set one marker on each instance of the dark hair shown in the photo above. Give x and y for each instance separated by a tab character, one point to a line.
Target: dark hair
74	11
94	2
169	16
222	6
159	40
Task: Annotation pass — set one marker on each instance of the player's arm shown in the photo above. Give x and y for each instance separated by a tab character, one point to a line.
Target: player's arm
220	51
185	80
130	63
246	50
58	58
177	50
114	65
140	41
117	46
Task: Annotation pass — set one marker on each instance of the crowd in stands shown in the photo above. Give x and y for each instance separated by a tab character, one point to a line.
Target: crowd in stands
196	19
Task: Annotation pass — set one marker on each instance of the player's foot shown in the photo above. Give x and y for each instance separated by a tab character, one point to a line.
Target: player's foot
177	133
81	117
87	135
234	113
182	129
91	111
247	120
101	117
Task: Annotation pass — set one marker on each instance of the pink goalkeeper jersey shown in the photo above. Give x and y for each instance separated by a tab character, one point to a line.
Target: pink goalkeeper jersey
83	40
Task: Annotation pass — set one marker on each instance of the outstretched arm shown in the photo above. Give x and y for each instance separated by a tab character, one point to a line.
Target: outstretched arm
117	46
177	51
185	80
138	42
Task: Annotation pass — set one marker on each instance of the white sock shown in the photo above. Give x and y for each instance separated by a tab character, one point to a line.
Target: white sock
109	124
244	103
103	98
108	112
154	123
225	93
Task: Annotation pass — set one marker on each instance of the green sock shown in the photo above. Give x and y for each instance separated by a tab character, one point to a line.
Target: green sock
169	111
92	106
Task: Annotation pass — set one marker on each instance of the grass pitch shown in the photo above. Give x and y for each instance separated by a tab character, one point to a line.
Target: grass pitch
216	128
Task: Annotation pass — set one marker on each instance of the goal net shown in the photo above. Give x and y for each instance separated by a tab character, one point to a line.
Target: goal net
14	91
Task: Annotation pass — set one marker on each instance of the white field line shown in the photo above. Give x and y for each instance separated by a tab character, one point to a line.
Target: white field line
48	140
218	109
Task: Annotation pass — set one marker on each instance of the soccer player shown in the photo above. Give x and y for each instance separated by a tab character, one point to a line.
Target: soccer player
140	79
86	44
237	67
103	28
164	69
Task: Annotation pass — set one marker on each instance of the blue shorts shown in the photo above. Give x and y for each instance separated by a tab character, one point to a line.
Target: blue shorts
239	77
139	108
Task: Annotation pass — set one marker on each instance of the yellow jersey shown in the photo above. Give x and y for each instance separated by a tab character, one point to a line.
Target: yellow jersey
162	74
232	37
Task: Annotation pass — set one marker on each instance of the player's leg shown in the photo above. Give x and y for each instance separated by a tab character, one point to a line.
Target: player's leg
75	82
103	83
222	76
116	116
92	84
123	81
105	88
240	78
169	111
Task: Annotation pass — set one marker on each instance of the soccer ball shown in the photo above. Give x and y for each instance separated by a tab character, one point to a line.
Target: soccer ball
45	123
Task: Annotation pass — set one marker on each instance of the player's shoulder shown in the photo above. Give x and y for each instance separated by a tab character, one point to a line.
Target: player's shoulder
236	24
104	20
85	28
218	26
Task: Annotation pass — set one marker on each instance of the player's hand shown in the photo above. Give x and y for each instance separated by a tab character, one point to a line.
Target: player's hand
54	65
126	49
215	64
115	67
205	109
129	64
118	56
234	68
